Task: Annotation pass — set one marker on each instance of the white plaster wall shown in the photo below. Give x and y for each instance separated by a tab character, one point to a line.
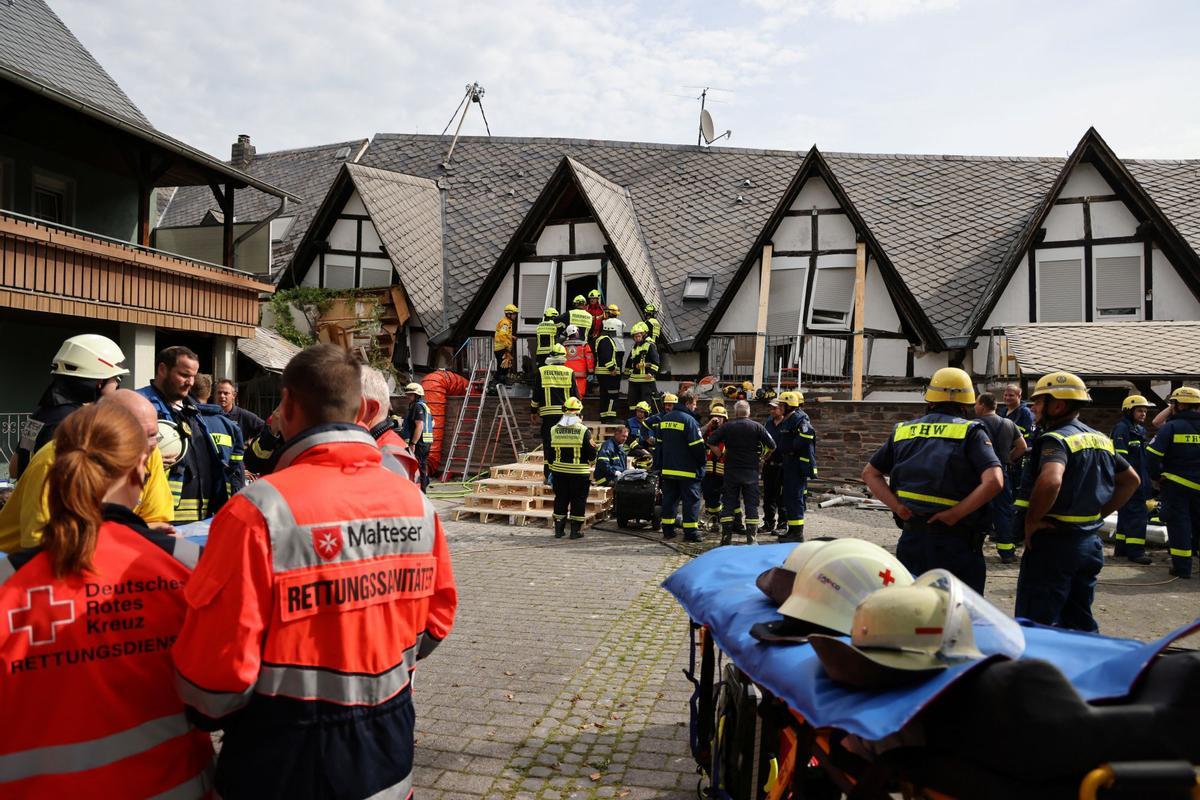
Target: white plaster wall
1013	306
793	233
834	232
1064	223
1085	181
495	309
685	363
370	238
1173	300
742	314
619	293
814	194
889	357
914	395
1112	219
354	205
419	345
588	238
554	241
880	311
925	364
344	234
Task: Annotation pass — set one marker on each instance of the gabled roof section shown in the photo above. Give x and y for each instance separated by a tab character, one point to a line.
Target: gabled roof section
1101	349
407	215
612	206
1174	181
306	173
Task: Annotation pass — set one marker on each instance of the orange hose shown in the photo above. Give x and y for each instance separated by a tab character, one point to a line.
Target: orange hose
438	386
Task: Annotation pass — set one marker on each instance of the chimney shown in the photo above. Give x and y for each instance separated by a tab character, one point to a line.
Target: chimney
241	154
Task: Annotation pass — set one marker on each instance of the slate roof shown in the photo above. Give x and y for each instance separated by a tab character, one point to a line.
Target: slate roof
1175	188
307	173
407	214
1102	349
35	43
267	349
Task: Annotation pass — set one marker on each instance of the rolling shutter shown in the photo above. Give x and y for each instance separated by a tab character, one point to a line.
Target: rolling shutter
1118	286
533	297
1060	291
786	300
833	295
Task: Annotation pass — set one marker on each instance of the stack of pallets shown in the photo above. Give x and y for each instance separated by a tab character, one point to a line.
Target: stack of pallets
516	493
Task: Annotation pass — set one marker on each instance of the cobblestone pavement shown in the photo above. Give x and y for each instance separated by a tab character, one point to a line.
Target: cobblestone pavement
562	677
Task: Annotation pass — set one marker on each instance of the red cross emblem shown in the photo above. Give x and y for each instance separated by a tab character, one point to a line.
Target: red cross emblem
327	541
41	616
886	577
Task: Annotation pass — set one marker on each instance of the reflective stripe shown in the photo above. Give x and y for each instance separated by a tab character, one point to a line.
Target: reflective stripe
926	498
1002	547
62	759
1181	553
209	702
1021	503
1068	518
222	439
678	473
1131	540
1171	476
671	425
749	521
1122	452
930	430
687	525
795	523
397	791
726	519
804	435
574	518
343	688
236	457
693	444
293	451
1120	537
1156	452
1186	438
196	786
1084	441
570	469
185	552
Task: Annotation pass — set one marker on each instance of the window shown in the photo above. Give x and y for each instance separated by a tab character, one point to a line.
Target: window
53	198
833	297
1060	290
1119	287
376	273
339	271
532	297
280	227
698	287
786	301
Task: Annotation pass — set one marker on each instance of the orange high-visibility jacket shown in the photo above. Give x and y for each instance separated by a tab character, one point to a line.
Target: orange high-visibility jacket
404	463
581	361
321	585
86	682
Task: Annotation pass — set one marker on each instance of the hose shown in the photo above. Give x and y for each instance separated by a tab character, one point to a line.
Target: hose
453	490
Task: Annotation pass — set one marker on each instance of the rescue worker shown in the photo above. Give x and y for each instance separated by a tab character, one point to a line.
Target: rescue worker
641	442
250	423
1174	461
198	481
608	374
772	471
642	367
552	385
504	343
595	307
79	721
417	429
1009	445
681	457
85	368
653	326
1129	440
668	402
943	473
611	459
375	416
261	450
321	587
799	463
579	316
714	471
225	433
1018	412
570	457
1073	480
745	444
545	335
579	358
24	516
615	327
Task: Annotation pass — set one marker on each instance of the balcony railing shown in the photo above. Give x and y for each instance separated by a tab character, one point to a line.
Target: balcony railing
790	361
60	270
10	436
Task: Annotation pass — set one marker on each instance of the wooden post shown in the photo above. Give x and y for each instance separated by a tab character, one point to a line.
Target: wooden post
764	290
860	307
227	233
143	214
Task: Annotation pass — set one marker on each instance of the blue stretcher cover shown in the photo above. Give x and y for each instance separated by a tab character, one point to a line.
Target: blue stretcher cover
195	532
718	591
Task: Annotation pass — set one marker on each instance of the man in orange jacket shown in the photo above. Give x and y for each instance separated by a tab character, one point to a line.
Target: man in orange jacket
579	358
321	586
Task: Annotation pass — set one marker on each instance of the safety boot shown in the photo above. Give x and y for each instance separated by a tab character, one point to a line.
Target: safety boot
576	532
751	538
560	528
668	531
1008	557
726	538
692	536
1143	559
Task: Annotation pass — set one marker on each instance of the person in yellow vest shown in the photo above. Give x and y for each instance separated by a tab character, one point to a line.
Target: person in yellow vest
504	343
25	514
579	316
642	367
552	385
570	457
546	335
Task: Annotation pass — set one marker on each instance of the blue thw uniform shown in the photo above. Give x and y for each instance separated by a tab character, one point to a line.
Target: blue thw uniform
798	441
681	456
1022	417
227	436
1129	439
641	441
197	481
418	411
772	481
933	463
610	460
1058	571
1174	459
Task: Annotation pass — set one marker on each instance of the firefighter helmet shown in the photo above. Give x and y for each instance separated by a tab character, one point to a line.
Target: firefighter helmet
718	411
89	355
1066	386
594	293
415	388
639	327
572	404
642	406
1135	401
950	385
1185	395
614	309
572	331
777	582
551	313
511	309
172	444
650	308
580	300
730	391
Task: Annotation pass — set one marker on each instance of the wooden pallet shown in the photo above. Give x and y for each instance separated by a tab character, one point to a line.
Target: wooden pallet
527	517
501	501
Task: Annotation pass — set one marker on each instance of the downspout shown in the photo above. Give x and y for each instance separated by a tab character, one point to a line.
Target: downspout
283	201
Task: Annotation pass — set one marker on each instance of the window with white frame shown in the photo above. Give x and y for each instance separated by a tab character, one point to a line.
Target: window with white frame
53	198
339	272
376	273
1060	290
280	227
1118	287
786	301
833	298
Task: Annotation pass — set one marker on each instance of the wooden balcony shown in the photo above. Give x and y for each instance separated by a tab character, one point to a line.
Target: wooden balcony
58	270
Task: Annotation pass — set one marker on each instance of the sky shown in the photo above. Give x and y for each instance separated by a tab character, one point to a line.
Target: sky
975	77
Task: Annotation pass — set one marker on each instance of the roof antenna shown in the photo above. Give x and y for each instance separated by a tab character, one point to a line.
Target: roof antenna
707	132
474	94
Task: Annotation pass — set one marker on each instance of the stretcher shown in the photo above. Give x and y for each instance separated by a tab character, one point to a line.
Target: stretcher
1077	715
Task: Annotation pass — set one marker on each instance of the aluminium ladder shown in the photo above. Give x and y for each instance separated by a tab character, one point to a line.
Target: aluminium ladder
470	413
506	418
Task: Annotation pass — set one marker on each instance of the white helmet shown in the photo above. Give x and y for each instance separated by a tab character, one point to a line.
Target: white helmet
89	355
572	331
415	388
612	324
777	582
171	442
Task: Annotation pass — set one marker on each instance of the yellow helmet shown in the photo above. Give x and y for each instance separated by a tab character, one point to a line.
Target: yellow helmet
551	313
718	411
730	391
614	309
642	406
1185	395
1135	401
511	309
950	385
639	327
793	399
1066	386
572	404
670	398
747	386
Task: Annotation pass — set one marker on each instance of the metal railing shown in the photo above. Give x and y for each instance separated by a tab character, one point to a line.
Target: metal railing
10	436
789	360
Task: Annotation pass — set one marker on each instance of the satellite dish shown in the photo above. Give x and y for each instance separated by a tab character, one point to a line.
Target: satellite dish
706	126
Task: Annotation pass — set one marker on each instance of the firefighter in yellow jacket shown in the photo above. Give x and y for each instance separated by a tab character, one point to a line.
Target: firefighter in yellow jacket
570	457
504	343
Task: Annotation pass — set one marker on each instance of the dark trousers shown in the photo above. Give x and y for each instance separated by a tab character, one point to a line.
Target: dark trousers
620	354
570	498
610	390
772	492
421	451
547	424
923	547
642	391
710	488
1180	512
740	491
1058	578
1130	535
795	487
1004	521
677	491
